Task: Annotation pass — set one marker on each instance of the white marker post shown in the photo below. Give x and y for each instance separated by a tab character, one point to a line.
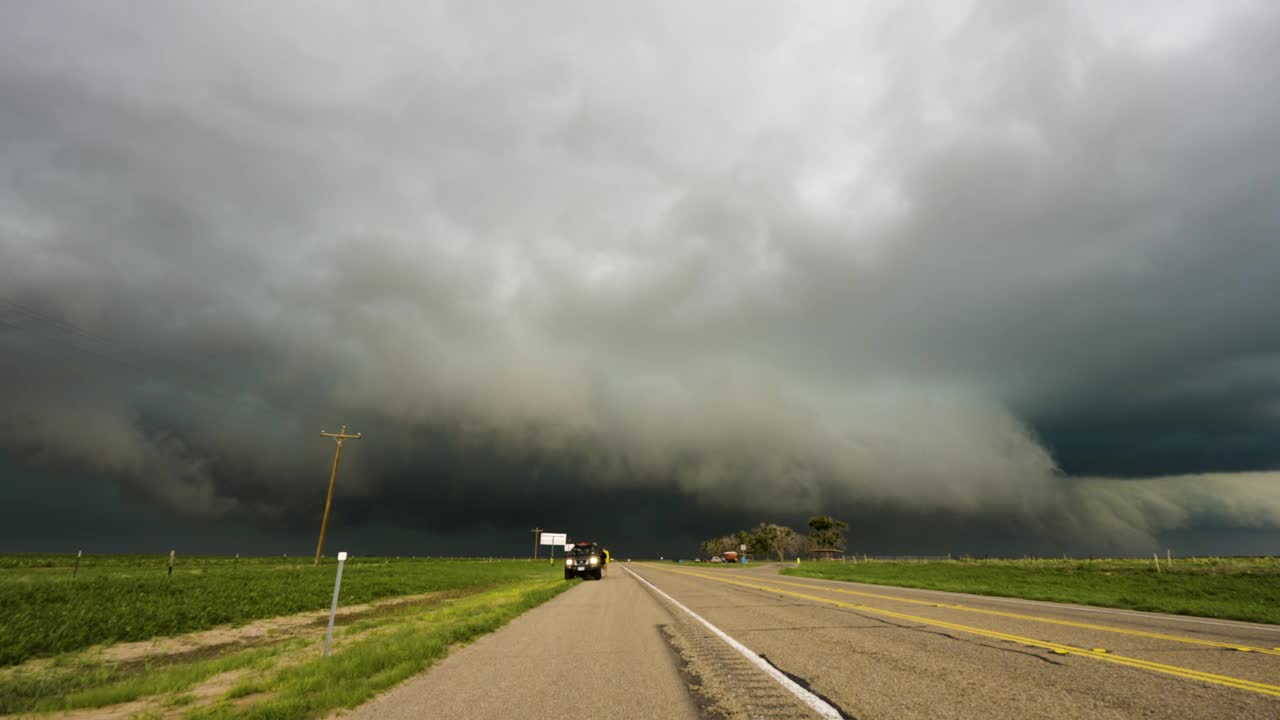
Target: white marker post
333	609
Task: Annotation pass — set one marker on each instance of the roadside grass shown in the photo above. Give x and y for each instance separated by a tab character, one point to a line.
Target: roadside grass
375	661
1226	588
91	684
131	598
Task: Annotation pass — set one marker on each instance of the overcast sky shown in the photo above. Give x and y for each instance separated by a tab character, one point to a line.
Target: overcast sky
991	277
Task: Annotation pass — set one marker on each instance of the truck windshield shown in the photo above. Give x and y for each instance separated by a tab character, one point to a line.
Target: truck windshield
582	551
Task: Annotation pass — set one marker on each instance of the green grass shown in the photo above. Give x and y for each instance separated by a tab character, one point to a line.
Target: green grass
1228	588
96	684
292	680
369	664
126	598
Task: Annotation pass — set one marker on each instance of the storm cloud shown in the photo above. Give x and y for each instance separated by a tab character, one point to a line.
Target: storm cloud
1008	264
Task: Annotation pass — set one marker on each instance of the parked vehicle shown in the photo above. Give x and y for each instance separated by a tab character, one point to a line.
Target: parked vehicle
585	559
731	557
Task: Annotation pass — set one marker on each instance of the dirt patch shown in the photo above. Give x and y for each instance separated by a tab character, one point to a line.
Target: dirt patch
123	711
209	643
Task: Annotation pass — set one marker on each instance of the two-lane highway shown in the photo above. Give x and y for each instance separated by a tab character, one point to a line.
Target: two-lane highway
878	652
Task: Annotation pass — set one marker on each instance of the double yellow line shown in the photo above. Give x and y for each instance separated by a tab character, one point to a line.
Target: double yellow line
1051	621
1058	648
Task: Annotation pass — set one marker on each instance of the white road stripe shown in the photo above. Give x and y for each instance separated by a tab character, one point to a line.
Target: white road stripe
818	705
1238	624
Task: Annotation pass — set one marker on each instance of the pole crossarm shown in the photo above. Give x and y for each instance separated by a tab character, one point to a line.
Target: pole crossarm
342	435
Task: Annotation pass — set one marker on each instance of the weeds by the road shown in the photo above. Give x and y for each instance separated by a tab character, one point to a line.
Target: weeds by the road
1229	588
124	598
89	683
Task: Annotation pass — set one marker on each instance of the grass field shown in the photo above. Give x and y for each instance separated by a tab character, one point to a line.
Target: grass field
278	676
1229	588
121	598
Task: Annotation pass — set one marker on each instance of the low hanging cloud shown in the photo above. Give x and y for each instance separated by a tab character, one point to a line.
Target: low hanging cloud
966	262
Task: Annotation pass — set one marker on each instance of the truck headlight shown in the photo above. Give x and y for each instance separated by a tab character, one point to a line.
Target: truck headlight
594	560
568	562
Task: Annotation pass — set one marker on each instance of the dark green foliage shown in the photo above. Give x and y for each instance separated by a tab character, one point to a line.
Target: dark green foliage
828	533
1229	588
125	598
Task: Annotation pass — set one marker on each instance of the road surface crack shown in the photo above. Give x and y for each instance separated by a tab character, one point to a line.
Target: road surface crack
925	629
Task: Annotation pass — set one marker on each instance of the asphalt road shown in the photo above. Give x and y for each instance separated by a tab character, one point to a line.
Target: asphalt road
867	651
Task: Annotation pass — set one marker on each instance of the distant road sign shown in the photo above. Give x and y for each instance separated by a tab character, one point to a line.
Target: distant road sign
554	539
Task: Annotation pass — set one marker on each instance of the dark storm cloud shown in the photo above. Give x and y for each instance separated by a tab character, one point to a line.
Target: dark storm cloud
914	261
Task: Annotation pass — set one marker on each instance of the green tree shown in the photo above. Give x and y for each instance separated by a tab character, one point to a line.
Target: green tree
774	539
828	533
717	546
708	547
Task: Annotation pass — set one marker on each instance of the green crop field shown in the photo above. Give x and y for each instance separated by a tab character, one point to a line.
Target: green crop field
57	635
1229	588
121	598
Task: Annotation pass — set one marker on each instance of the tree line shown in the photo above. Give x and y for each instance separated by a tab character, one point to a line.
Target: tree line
772	539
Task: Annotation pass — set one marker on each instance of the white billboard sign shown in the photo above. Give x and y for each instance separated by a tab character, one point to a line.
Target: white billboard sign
553	539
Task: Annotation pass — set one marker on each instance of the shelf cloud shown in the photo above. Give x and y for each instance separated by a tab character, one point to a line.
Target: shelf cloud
1010	265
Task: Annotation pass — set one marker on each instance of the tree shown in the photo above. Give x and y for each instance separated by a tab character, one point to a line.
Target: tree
773	539
828	533
717	546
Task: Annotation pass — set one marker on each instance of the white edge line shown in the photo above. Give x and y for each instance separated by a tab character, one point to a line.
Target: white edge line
1238	624
818	705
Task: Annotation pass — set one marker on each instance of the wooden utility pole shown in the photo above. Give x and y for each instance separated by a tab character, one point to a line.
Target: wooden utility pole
535	542
339	437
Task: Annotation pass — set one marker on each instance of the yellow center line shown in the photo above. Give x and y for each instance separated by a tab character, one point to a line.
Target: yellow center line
1059	648
1034	618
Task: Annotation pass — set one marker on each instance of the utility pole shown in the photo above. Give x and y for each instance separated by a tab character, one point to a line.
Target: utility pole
535	542
338	437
